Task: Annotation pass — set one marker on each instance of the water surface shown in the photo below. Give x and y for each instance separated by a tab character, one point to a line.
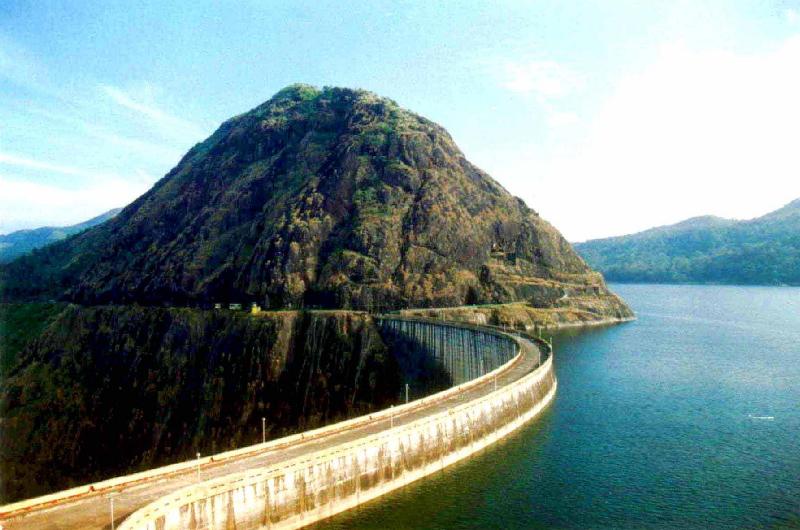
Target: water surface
687	418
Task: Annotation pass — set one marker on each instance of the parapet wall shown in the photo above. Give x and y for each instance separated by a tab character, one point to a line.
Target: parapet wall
312	487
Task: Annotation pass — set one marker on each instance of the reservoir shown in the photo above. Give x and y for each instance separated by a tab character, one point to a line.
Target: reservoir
688	417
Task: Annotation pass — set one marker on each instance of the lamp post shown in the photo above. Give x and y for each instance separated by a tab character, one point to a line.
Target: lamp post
198	467
406	393
391	416
263	430
111	501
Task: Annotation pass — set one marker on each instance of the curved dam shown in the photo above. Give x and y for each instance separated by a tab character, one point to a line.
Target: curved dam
501	382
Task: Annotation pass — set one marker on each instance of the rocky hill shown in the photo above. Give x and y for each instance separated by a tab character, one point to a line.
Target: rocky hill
317	198
329	198
760	251
22	242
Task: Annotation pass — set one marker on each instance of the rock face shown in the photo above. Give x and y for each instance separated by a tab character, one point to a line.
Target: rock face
109	390
316	198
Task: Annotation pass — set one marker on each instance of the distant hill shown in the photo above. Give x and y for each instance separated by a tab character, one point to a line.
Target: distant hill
22	242
761	251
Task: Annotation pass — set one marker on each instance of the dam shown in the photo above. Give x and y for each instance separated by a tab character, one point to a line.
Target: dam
500	382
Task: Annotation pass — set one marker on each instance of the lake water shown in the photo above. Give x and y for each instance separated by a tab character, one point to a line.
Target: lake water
687	418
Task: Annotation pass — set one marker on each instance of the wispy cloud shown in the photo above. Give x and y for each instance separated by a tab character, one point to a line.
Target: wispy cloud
548	84
697	131
545	79
155	152
557	118
17	66
141	102
792	16
78	152
56	206
9	159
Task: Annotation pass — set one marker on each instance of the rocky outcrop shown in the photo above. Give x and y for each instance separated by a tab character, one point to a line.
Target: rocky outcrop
568	312
317	198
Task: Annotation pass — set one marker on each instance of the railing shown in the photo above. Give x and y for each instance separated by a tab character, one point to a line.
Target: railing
263	497
120	483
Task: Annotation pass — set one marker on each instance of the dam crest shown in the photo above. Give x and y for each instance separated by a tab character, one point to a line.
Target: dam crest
500	382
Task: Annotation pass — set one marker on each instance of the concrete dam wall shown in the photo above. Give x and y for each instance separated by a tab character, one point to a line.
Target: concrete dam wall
464	353
448	427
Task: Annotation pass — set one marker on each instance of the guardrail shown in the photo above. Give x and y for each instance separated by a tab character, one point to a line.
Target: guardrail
246	486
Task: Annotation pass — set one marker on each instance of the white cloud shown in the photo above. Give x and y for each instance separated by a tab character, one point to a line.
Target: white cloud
792	16
546	79
102	157
29	163
152	151
28	204
141	102
56	206
558	118
547	83
697	132
17	65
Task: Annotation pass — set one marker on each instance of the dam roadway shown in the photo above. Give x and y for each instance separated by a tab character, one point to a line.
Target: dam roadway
89	508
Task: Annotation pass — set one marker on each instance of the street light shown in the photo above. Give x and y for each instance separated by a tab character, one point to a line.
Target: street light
406	393
263	430
198	467
111	501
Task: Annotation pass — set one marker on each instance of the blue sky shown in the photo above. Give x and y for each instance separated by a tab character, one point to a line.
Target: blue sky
606	117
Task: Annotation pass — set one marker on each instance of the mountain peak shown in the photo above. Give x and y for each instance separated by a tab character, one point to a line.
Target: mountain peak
328	197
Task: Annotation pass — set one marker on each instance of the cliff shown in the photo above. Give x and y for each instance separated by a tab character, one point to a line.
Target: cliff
110	390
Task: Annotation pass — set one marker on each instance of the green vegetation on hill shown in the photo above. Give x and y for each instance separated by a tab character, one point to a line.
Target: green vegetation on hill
19	325
331	198
761	251
109	390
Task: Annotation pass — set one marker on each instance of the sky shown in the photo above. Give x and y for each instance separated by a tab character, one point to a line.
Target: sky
606	117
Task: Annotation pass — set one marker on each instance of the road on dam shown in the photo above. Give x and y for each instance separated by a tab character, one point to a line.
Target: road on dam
93	511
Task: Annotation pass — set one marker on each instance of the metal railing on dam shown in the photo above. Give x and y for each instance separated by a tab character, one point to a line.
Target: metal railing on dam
296	492
300	479
464	352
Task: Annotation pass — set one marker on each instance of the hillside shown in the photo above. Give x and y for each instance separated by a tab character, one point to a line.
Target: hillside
761	251
333	198
316	198
21	242
157	385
